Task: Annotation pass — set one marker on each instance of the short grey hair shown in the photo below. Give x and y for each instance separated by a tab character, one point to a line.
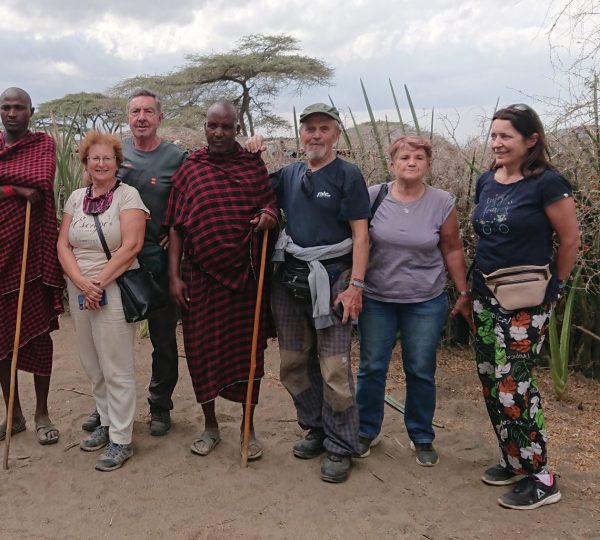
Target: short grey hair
144	92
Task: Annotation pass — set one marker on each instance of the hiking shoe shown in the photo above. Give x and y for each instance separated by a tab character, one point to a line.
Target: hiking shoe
98	439
114	456
91	422
365	444
500	476
160	422
311	446
530	493
335	468
426	454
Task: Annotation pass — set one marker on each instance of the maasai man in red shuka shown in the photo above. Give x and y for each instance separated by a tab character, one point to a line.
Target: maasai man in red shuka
220	201
27	165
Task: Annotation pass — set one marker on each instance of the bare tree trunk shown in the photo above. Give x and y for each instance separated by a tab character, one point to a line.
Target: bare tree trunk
245	112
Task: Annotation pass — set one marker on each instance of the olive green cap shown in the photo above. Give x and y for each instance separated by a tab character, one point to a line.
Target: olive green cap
320	108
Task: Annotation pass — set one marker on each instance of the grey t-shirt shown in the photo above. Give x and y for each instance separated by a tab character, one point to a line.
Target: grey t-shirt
405	261
150	173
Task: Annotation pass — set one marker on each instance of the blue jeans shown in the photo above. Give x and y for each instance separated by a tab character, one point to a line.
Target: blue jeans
420	325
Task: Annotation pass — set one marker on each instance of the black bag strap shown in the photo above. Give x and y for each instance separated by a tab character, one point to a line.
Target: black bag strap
471	268
101	236
383	191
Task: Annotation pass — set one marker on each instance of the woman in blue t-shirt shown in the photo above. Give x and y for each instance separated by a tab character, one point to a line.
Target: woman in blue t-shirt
520	203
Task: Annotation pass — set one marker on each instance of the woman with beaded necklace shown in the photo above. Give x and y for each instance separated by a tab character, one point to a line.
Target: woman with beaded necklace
104	339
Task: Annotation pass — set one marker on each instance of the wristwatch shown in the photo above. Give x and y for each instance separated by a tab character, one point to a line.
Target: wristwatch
463	293
358	283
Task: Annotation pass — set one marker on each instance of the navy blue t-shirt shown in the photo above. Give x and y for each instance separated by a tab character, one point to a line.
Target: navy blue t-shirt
512	225
340	195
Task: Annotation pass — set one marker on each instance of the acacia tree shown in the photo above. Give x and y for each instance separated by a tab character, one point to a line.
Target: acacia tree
251	75
83	111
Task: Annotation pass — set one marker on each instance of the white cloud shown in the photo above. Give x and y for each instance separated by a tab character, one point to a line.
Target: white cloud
67	69
453	54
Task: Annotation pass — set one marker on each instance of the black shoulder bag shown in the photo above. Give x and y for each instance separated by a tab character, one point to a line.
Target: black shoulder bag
383	191
140	294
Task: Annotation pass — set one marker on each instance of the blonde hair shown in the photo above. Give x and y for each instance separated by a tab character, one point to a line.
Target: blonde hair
414	142
98	137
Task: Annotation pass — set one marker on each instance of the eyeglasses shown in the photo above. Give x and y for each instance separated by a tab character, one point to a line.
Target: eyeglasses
307	183
97	159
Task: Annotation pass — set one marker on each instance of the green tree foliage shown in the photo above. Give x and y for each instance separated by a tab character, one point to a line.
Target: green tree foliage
82	111
251	75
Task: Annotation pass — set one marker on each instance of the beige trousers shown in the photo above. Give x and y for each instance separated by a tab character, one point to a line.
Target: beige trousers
106	350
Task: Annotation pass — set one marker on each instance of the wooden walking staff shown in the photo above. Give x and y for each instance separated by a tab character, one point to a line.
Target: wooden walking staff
15	354
248	408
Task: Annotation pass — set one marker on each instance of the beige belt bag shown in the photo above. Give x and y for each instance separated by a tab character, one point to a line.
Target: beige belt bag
519	286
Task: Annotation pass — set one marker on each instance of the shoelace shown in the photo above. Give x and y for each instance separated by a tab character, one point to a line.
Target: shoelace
100	431
113	450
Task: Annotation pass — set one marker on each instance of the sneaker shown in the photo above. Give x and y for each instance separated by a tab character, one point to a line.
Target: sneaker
426	454
114	456
311	446
91	422
500	476
530	493
335	468
365	444
98	439
160	422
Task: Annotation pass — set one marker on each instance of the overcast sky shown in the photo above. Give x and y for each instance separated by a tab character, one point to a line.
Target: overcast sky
458	56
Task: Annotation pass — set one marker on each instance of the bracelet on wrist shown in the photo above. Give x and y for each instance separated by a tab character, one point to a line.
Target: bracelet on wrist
463	293
358	283
561	284
9	191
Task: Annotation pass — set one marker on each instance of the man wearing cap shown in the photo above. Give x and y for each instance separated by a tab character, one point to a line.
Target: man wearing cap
318	287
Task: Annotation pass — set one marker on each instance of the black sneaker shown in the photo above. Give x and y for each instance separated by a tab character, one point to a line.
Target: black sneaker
160	422
335	468
91	422
530	493
114	456
311	446
500	476
365	444
426	454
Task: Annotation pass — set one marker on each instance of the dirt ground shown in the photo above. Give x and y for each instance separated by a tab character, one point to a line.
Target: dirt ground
165	491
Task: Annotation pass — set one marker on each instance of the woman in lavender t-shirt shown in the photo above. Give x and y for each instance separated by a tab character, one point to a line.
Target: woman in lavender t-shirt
414	238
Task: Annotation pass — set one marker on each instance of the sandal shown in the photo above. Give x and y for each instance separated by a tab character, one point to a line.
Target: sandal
47	433
16	428
254	448
206	442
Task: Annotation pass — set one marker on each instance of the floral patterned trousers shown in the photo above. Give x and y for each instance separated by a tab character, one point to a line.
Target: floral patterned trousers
507	344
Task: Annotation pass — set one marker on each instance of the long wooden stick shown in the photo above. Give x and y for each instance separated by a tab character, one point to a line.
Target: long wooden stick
15	354
394	403
248	408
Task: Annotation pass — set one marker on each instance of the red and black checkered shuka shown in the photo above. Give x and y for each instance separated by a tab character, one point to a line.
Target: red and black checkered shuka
212	201
30	162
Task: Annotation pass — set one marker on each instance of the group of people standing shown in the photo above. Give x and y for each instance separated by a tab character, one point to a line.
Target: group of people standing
344	252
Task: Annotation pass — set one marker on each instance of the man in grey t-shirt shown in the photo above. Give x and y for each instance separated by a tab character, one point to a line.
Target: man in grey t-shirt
149	165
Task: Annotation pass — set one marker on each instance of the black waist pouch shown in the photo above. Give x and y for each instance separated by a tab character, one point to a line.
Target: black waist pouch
294	277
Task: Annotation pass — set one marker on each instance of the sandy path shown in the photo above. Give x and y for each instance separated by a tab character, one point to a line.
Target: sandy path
166	492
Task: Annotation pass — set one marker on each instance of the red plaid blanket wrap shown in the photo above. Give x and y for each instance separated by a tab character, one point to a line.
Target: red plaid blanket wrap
31	162
212	201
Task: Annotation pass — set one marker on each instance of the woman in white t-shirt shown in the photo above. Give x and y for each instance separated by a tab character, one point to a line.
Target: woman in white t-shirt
104	339
414	238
